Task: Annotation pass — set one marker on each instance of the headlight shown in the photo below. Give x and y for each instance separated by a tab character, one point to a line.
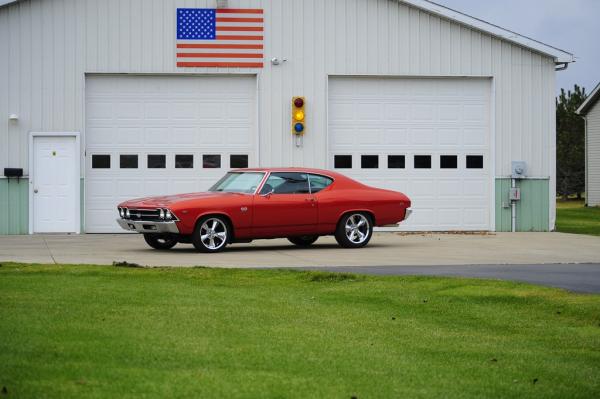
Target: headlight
121	213
161	213
168	214
127	213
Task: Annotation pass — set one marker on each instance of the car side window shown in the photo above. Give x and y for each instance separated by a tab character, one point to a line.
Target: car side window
318	183
286	183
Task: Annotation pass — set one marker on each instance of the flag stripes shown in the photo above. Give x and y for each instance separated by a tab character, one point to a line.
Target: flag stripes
220	38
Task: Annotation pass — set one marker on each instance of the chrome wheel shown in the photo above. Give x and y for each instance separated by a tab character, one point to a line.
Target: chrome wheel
213	234
357	228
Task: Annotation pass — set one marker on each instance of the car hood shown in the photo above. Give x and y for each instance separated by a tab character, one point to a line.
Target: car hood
169	200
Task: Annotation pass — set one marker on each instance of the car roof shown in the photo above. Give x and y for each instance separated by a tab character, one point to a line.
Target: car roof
288	169
291	169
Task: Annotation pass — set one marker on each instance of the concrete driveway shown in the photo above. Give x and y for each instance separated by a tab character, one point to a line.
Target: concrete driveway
385	249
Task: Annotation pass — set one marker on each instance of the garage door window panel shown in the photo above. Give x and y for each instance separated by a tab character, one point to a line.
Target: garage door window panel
157	161
211	161
184	161
100	161
396	161
342	161
369	161
448	162
128	161
238	161
474	162
422	162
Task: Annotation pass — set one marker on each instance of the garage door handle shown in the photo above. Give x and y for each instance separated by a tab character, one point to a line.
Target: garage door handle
35	190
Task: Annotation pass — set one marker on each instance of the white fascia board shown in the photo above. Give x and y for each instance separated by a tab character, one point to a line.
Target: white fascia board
560	56
589	101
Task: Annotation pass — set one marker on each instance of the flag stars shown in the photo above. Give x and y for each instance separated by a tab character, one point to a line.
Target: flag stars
196	24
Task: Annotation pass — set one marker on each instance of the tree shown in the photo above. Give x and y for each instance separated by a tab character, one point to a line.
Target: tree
570	143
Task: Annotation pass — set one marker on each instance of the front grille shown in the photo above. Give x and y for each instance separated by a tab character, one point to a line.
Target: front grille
145	215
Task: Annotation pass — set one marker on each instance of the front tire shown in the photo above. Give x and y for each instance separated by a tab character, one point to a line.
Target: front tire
303	241
354	230
212	233
160	241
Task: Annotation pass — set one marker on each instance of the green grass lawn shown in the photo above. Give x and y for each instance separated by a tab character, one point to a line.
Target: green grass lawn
93	331
573	217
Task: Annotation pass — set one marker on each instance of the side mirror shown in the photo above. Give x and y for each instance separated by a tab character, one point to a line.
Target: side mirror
267	195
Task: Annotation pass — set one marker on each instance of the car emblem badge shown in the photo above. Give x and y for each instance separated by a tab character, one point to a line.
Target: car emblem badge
244	208
139	215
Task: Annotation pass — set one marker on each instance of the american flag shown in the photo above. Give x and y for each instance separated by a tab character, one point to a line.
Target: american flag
222	37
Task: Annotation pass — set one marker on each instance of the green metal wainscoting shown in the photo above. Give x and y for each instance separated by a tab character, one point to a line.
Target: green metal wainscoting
533	210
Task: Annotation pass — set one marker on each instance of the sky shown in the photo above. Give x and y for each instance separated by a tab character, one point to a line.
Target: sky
570	25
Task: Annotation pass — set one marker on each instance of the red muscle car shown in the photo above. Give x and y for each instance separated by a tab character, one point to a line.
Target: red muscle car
296	203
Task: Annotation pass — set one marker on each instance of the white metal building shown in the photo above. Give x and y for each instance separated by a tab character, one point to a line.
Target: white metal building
590	110
95	107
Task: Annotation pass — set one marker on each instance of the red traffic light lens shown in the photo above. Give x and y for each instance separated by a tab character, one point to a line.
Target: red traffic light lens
298	102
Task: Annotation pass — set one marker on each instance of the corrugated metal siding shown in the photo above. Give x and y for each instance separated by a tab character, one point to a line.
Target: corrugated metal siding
52	43
593	155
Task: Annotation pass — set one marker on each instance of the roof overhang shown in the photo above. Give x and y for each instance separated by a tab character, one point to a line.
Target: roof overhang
560	56
5	2
589	101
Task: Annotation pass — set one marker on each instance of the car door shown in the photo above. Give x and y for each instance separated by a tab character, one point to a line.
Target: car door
284	206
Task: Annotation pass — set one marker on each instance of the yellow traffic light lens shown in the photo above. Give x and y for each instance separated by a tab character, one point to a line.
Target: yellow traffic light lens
299	116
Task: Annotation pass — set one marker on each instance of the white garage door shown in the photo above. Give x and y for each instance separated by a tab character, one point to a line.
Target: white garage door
151	135
429	138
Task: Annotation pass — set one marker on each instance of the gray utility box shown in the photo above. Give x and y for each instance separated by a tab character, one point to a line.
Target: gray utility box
515	194
519	169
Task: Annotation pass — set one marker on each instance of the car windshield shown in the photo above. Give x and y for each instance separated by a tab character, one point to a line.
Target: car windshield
238	182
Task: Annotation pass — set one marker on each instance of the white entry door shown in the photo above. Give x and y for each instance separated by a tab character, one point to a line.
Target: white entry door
54	184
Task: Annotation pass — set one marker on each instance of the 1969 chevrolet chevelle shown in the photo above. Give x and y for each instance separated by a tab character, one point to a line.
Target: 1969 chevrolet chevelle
296	203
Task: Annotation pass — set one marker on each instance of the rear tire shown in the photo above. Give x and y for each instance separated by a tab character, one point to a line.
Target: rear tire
303	241
212	234
354	230
160	241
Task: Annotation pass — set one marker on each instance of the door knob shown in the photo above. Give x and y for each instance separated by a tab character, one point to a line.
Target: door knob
35	190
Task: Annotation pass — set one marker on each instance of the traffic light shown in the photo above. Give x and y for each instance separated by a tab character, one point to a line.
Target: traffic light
298	116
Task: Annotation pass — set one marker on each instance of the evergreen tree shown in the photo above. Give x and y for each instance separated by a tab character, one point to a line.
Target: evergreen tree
570	143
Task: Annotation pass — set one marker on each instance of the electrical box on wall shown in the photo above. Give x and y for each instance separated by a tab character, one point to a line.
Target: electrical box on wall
519	169
515	194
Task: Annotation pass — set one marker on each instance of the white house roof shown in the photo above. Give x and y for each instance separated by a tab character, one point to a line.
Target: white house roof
590	101
560	56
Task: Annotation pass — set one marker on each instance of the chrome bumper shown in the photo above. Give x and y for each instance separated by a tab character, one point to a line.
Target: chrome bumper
408	213
148	227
